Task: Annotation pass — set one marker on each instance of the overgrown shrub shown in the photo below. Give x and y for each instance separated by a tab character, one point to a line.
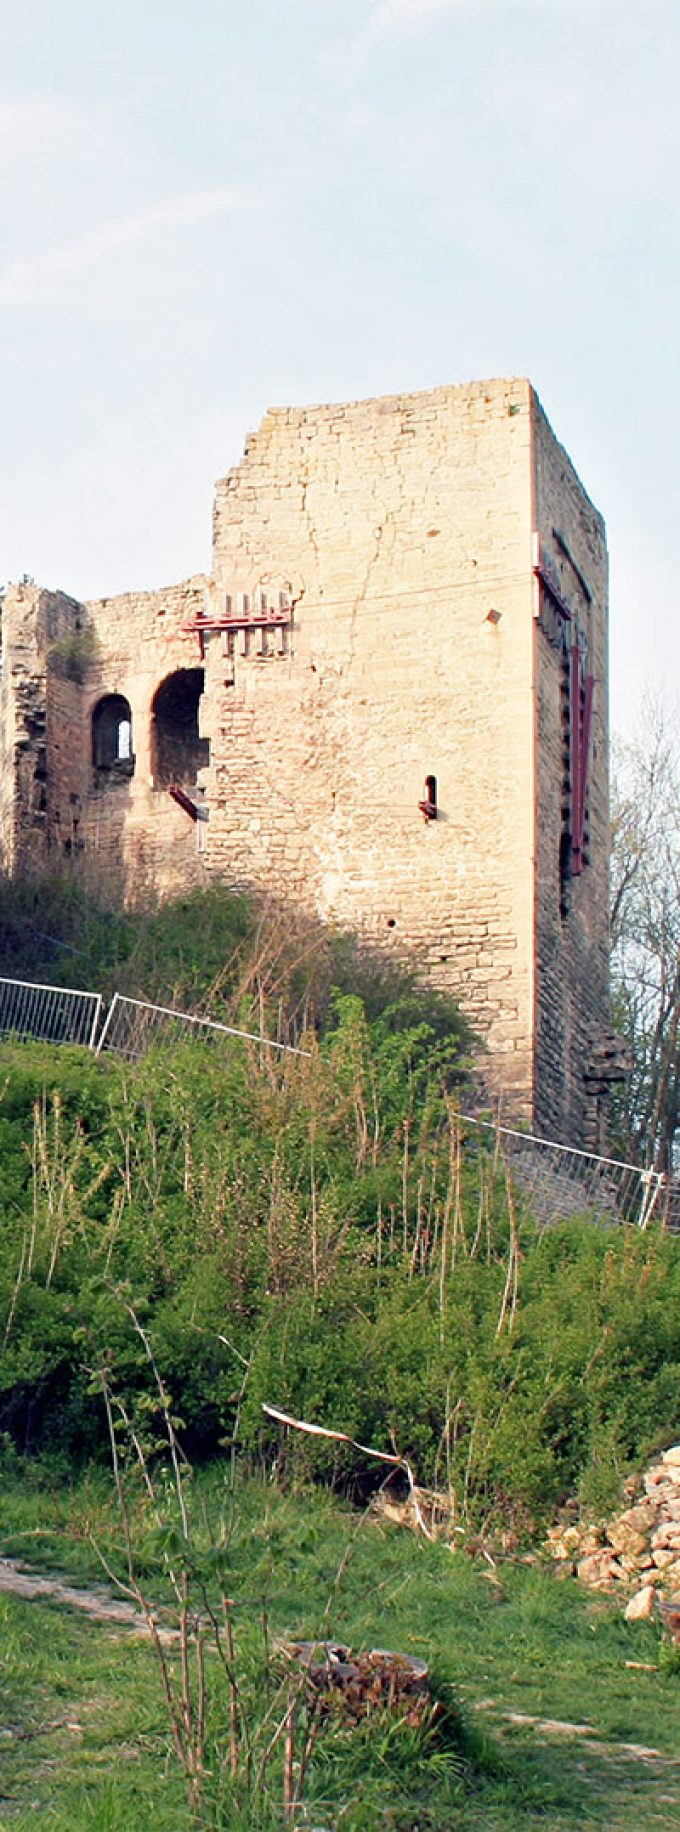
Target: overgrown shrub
314	1233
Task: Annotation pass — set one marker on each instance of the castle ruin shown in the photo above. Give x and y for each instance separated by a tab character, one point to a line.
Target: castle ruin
387	702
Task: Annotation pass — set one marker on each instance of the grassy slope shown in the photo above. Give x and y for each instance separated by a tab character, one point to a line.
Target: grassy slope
304	1222
511	1640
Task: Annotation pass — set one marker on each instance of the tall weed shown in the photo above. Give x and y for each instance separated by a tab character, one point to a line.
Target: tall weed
326	1222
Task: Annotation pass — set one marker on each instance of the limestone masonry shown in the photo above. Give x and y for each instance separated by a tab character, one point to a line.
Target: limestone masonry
388	700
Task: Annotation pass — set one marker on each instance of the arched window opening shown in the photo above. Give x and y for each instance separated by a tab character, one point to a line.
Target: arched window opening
112	735
178	752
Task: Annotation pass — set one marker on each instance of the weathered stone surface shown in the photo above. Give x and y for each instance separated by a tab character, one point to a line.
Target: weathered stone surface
642	1605
639	1548
632	1566
597	1568
639	1518
564	1542
422	642
591	1539
658	1477
666	1534
624	1538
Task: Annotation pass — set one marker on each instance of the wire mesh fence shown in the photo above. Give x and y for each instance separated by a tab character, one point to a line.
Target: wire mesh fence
51	1014
559	1181
556	1181
133	1026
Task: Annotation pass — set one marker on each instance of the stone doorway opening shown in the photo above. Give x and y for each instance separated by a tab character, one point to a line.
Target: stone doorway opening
177	750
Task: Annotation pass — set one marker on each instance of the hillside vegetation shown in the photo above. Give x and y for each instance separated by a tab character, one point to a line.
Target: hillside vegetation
319	1221
221	1227
508	1648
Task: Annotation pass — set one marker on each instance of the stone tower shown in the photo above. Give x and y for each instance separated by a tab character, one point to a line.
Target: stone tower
388	701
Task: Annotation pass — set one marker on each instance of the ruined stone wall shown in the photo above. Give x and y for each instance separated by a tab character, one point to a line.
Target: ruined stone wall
134	827
572	920
418	643
61	659
36	625
400	527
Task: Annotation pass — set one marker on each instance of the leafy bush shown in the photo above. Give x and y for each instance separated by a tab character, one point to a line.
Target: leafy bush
307	1232
211	950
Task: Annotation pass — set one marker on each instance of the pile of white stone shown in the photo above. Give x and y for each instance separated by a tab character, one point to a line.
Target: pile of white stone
639	1550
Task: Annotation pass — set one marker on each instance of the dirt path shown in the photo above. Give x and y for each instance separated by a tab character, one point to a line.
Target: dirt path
558	1727
21	1581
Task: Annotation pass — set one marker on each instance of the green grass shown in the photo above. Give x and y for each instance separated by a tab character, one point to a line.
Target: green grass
96	1689
498	1641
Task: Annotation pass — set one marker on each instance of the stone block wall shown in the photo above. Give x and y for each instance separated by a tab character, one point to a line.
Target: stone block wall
400	527
572	907
131	823
401	536
36	625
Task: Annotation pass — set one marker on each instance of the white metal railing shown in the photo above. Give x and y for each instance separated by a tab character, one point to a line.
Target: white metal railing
52	1014
131	1026
556	1180
561	1180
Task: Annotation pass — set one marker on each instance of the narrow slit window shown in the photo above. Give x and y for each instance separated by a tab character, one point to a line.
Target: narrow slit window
428	805
125	741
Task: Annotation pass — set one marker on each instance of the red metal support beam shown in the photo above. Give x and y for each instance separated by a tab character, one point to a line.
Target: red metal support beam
262	617
195	810
582	696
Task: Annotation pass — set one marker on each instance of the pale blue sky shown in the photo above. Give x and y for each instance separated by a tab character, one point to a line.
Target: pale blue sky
212	206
